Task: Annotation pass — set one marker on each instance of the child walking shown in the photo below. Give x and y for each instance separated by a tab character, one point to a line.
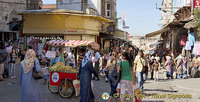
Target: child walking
156	68
44	71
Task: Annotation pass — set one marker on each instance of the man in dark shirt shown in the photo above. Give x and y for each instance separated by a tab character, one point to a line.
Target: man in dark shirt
81	56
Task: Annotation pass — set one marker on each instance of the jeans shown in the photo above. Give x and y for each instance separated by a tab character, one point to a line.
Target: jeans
184	72
113	85
12	69
72	65
106	72
179	76
169	74
141	77
152	74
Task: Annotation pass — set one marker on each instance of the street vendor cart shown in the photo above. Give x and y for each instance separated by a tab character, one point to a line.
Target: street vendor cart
62	77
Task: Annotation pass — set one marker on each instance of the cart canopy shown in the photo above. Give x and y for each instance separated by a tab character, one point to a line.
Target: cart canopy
73	43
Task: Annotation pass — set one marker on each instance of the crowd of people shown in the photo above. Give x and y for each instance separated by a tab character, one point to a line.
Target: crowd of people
124	70
127	70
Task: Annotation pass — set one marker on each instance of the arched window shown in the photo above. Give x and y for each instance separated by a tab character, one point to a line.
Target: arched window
108	10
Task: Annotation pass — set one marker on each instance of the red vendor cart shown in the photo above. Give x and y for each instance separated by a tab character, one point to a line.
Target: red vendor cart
62	82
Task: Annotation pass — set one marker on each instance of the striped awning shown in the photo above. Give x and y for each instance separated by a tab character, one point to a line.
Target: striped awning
73	43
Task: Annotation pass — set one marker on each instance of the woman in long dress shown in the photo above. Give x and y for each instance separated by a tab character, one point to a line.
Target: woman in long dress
85	72
30	88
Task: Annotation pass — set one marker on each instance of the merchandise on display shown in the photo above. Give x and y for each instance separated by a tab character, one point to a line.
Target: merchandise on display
60	67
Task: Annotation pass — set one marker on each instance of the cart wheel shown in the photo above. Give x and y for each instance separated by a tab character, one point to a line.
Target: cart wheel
53	89
66	89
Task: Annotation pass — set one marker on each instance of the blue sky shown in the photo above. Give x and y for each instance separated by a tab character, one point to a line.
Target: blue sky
141	15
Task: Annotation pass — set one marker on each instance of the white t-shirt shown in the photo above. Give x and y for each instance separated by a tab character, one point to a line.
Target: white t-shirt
71	57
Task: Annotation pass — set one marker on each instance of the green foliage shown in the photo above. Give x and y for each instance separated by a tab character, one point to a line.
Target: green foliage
197	19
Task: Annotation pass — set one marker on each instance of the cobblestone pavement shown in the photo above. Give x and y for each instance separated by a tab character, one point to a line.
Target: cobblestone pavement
10	91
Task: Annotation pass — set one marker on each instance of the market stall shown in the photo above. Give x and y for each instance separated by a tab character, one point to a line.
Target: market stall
62	77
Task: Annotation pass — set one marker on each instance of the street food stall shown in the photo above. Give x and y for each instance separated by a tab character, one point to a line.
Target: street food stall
61	76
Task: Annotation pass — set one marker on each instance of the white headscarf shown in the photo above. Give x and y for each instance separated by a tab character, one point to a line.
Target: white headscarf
87	58
28	62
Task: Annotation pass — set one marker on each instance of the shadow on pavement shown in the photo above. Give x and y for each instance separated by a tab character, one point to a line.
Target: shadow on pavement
159	90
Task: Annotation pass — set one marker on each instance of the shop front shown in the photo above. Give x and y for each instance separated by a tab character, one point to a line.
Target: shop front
61	24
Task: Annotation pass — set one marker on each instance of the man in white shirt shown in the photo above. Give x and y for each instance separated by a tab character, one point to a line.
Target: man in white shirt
71	58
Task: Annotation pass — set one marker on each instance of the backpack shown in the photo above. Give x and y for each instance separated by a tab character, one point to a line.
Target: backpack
3	55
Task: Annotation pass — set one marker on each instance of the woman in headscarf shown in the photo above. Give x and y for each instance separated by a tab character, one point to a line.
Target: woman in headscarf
30	88
169	65
85	73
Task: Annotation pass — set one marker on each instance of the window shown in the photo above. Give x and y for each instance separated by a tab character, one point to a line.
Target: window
108	10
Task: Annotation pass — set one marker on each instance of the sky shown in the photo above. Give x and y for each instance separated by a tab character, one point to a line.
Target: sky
142	17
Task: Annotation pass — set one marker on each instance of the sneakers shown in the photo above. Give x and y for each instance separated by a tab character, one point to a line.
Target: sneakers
106	79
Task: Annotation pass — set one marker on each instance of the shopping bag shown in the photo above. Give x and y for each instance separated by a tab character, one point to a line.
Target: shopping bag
137	93
76	84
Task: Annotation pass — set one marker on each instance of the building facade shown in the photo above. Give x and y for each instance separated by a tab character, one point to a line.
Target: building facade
144	43
10	21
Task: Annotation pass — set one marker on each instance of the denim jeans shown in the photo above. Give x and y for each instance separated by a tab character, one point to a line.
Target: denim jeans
113	85
179	76
141	77
184	72
12	69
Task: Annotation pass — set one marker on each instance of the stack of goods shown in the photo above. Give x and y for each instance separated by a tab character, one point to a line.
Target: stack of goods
60	67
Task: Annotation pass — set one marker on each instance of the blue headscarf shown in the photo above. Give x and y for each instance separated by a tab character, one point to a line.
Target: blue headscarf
87	58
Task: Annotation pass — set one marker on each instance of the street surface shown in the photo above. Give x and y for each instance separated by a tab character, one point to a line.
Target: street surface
10	90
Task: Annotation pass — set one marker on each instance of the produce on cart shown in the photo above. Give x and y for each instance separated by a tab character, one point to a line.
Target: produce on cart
63	79
60	67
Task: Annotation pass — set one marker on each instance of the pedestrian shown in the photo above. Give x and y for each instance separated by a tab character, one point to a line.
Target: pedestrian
46	62
66	59
22	55
155	68
43	55
139	67
81	56
184	67
168	65
96	59
3	58
158	59
85	74
126	79
30	88
44	71
13	63
56	59
150	62
179	66
195	65
104	70
111	66
71	58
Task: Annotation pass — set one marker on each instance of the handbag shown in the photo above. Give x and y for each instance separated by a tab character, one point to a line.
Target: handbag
143	67
37	75
114	73
119	74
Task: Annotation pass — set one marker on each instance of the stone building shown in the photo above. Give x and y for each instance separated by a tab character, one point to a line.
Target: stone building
10	21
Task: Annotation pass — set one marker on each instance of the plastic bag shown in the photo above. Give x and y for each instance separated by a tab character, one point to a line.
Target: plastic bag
137	93
76	84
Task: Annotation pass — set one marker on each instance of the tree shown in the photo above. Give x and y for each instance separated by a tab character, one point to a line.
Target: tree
197	19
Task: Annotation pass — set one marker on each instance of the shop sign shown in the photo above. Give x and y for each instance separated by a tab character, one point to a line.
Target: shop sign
51	54
74	31
196	3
